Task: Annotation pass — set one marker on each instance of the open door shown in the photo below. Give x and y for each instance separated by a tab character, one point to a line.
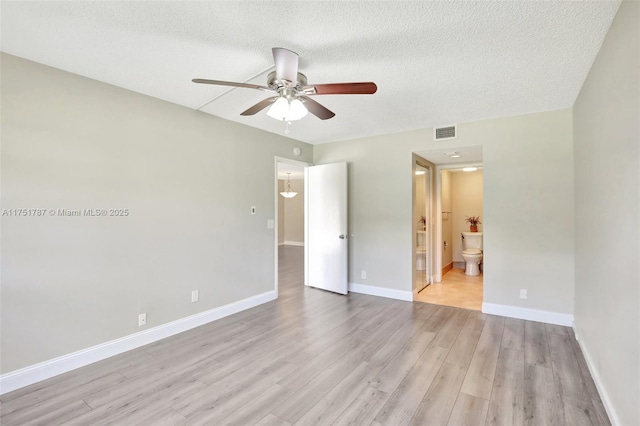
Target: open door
326	246
422	217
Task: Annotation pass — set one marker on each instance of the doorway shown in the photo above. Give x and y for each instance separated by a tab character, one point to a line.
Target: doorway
303	228
459	280
289	224
456	195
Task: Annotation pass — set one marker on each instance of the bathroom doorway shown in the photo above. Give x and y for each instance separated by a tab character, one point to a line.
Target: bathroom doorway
459	280
455	195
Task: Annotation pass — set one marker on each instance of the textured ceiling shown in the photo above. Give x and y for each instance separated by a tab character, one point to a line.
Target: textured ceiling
434	62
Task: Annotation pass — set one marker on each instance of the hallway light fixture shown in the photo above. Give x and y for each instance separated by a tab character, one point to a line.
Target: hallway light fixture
420	172
288	193
469	169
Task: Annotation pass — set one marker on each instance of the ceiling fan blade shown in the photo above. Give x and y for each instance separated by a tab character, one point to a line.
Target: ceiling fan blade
316	109
364	88
286	64
259	106
232	84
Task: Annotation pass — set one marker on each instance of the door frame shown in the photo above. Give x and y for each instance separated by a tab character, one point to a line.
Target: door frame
276	212
429	258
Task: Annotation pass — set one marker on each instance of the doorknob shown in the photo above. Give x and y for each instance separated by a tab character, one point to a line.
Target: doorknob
342	236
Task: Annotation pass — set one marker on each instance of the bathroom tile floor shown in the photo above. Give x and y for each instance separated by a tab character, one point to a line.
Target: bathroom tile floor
456	289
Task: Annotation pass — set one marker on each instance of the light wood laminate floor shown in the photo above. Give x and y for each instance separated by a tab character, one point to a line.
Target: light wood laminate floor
314	357
456	289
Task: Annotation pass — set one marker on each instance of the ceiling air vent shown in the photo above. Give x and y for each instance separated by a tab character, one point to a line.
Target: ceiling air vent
441	133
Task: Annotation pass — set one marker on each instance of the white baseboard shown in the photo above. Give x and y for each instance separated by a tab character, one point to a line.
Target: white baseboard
294	243
528	314
604	396
44	370
381	291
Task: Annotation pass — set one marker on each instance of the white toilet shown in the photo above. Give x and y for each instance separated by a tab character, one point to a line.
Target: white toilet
472	252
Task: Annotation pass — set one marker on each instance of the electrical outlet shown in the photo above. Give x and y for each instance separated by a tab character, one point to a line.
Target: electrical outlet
195	296
142	319
363	275
523	293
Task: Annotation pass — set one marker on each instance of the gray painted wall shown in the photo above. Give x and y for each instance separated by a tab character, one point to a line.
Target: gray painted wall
188	180
607	164
528	206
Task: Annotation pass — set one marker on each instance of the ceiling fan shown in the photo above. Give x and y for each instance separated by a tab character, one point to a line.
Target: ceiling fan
292	98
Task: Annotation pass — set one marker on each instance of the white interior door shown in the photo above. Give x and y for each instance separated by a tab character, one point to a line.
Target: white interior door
326	246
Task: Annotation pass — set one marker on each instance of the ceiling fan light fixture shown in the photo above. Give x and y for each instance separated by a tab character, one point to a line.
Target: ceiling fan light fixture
284	109
296	110
279	109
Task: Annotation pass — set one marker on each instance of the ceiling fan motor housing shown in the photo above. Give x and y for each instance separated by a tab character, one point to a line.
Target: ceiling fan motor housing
276	84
